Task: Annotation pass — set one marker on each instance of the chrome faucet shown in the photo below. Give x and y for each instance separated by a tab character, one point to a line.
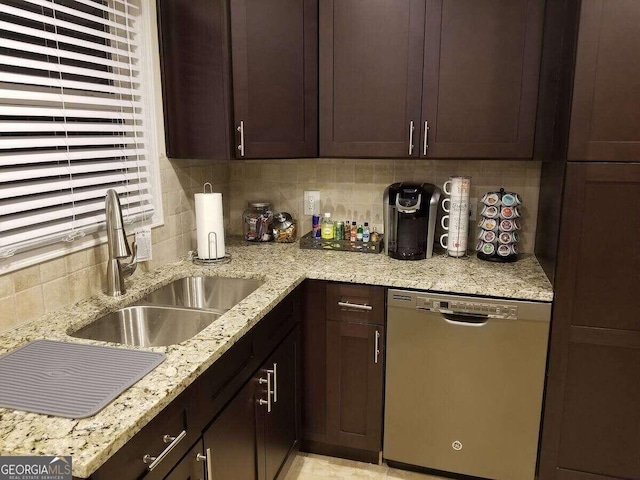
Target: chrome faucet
118	247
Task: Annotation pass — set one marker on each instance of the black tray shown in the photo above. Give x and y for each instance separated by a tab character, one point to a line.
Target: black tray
309	242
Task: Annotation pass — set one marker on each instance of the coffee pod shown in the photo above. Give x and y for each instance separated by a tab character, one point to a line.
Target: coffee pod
479	245
516	225
507	225
488	248
514	248
511	199
504	250
489	211
491	198
508	212
505	237
488	236
488	223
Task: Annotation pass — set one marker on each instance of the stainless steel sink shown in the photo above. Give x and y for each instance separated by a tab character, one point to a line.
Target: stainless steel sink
148	326
217	294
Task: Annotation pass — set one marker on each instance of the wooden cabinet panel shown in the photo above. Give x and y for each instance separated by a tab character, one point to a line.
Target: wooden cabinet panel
600	252
370	76
195	78
481	69
231	441
591	420
281	424
355	385
604	121
600	424
191	467
275	76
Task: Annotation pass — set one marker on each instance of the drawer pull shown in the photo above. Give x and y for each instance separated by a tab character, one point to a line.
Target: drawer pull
275	382
155	461
209	465
376	347
356	306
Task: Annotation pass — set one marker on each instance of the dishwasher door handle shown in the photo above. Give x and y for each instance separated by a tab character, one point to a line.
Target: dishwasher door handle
465	320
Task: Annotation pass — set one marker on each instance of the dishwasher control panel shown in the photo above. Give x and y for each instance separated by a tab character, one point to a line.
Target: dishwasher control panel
492	310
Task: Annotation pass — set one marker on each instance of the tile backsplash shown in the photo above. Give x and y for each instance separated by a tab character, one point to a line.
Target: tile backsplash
349	189
352	189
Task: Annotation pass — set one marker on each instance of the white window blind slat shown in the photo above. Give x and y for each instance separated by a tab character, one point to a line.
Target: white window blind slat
54	22
72	120
98	47
46	186
61	68
54	52
60	156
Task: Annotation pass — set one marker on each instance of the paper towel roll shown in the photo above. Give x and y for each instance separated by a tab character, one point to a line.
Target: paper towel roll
209	219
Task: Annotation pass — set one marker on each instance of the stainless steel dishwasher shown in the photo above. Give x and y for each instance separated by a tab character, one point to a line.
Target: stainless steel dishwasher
464	383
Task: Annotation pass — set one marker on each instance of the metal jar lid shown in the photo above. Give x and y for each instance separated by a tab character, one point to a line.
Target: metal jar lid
282	220
266	205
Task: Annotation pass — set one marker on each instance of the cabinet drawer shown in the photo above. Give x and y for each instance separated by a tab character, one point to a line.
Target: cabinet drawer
348	302
270	331
128	463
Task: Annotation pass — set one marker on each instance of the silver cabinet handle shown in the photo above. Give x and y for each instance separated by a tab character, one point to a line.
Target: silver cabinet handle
376	347
275	382
262	381
155	461
201	458
425	145
209	465
411	129
357	306
241	130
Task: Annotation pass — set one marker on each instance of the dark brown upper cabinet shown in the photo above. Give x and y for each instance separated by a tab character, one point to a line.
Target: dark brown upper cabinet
274	47
605	124
441	78
194	53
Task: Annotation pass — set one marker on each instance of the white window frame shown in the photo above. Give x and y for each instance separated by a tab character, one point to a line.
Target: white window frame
151	98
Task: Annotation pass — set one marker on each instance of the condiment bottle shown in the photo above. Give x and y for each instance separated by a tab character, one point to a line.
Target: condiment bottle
375	236
327	227
359	233
347	230
366	235
354	232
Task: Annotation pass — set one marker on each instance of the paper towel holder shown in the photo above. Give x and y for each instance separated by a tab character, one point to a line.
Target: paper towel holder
209	261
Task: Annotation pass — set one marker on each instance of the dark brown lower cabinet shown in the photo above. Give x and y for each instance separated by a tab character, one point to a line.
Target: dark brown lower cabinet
591	428
191	467
343	354
354	384
230	442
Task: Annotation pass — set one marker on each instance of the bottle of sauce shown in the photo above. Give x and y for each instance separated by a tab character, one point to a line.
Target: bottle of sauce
366	234
359	233
327	227
354	232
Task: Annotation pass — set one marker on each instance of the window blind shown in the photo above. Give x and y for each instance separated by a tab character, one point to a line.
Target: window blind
72	120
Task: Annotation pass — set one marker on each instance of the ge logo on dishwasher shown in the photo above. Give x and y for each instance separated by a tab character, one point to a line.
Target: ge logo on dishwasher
457	446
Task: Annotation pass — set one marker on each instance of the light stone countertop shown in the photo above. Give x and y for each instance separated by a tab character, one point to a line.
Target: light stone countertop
93	440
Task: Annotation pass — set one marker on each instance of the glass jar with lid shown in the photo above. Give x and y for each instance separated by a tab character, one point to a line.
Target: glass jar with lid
257	220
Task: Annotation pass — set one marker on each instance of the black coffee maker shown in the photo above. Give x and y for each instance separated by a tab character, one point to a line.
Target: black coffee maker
410	211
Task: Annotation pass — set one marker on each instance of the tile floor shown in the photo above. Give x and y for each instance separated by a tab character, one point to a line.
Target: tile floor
308	466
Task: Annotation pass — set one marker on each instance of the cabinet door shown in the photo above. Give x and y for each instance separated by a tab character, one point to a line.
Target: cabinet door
195	77
591	421
370	76
355	385
605	124
230	442
481	69
191	467
281	423
275	77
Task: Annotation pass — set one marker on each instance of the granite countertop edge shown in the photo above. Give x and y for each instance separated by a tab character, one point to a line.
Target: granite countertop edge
92	441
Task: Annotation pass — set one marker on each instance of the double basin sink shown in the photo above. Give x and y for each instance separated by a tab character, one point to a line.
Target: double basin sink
172	314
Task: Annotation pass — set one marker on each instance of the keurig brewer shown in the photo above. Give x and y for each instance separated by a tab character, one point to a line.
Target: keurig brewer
410	211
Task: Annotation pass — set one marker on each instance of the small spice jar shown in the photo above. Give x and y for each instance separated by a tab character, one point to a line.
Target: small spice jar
257	220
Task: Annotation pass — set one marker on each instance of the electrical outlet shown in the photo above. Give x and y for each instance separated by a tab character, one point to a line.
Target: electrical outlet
312	202
473	209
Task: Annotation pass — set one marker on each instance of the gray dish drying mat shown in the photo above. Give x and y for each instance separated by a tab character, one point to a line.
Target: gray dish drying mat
69	380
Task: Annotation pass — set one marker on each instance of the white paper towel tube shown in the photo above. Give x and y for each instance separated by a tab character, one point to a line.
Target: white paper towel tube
209	219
